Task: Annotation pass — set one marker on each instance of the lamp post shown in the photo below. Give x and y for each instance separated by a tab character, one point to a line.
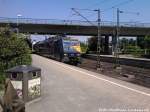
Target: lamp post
18	15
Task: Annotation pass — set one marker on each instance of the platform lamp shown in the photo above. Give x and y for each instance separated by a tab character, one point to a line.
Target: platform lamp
18	16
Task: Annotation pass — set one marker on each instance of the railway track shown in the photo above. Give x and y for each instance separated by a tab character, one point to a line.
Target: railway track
129	61
137	75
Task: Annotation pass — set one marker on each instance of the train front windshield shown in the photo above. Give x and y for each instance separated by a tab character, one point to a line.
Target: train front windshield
71	46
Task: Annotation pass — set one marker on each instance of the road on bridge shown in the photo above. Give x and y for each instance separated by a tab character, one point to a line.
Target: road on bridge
66	88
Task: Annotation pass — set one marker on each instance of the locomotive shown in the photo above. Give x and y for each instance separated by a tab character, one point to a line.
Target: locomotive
60	48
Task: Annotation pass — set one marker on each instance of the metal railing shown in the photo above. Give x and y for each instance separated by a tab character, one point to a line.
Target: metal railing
69	22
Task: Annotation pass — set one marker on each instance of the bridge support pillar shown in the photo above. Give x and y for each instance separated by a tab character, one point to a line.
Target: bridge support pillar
114	43
106	44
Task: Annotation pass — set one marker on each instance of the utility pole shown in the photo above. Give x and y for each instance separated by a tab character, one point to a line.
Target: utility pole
99	66
117	64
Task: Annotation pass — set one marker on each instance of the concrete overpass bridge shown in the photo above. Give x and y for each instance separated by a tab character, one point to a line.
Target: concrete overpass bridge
74	27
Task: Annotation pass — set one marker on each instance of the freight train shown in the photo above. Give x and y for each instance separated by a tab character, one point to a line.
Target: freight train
63	49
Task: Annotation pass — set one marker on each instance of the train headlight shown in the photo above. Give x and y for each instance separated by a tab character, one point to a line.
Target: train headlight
65	54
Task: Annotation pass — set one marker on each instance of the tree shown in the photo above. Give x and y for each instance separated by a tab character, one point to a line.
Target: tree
140	42
147	45
132	42
147	42
83	47
92	44
13	50
123	43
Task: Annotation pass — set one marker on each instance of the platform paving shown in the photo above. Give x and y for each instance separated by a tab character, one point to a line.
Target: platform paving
66	88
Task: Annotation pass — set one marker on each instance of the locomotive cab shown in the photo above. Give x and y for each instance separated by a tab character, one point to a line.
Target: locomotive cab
72	51
60	48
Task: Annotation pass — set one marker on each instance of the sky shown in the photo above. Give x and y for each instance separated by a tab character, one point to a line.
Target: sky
61	9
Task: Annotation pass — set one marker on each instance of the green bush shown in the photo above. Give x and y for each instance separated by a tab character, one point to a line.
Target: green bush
1	78
13	51
83	47
134	50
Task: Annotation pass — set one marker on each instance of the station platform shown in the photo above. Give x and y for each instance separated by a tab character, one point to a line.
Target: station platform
67	88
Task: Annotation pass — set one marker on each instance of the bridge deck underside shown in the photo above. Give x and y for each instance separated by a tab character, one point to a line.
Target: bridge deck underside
78	30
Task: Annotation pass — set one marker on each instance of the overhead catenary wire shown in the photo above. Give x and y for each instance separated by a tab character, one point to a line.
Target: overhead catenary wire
98	3
70	15
79	14
102	2
118	5
127	12
91	15
117	34
99	36
86	9
88	16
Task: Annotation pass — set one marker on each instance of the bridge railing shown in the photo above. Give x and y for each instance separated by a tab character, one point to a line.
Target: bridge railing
69	22
44	21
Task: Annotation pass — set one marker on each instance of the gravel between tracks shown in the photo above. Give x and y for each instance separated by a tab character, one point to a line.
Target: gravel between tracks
127	73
